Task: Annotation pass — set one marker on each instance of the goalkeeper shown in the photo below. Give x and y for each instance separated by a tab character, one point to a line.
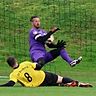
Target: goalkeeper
28	75
37	41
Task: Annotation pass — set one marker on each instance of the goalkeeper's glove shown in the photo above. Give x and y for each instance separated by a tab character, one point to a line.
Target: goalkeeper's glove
61	44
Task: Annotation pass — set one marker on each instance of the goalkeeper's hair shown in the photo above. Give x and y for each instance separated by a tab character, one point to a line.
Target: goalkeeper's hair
11	61
31	19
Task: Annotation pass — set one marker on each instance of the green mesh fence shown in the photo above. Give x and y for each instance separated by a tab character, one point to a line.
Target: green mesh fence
76	19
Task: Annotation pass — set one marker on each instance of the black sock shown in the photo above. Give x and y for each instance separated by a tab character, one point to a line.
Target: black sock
41	61
66	80
40	64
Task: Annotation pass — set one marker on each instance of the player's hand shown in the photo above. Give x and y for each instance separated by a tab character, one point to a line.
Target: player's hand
54	29
61	44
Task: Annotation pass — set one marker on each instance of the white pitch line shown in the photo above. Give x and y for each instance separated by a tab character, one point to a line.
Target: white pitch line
4	77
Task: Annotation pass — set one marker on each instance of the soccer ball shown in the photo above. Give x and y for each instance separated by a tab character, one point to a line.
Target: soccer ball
50	40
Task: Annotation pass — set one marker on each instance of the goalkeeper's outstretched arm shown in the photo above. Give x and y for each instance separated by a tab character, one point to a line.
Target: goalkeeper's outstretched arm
43	39
51	45
60	44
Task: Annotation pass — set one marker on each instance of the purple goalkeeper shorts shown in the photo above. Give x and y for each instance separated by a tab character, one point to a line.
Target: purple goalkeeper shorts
35	55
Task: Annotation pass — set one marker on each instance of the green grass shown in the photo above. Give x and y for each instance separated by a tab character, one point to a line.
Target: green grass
75	18
47	91
77	21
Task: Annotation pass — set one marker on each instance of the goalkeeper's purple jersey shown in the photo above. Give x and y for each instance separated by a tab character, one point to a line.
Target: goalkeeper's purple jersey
34	44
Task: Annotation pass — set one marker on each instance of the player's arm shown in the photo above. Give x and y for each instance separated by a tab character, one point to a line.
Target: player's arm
8	84
42	39
51	45
59	44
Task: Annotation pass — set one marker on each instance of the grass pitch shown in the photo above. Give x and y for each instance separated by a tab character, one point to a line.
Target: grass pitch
77	20
48	91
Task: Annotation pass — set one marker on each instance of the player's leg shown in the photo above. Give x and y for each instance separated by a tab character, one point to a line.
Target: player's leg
67	58
63	53
50	79
51	55
42	57
39	57
76	84
64	81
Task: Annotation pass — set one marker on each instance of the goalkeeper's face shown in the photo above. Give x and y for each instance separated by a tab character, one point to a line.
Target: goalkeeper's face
36	22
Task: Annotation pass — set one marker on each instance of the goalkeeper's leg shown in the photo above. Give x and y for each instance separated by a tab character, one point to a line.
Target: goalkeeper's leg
43	57
63	53
51	55
68	59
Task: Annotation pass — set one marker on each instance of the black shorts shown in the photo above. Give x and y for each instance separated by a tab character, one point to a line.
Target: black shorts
50	79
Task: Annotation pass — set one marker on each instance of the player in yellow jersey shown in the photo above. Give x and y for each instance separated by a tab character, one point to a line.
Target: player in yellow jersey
29	75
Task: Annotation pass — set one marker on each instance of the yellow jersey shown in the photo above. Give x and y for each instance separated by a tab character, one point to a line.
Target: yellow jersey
26	75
